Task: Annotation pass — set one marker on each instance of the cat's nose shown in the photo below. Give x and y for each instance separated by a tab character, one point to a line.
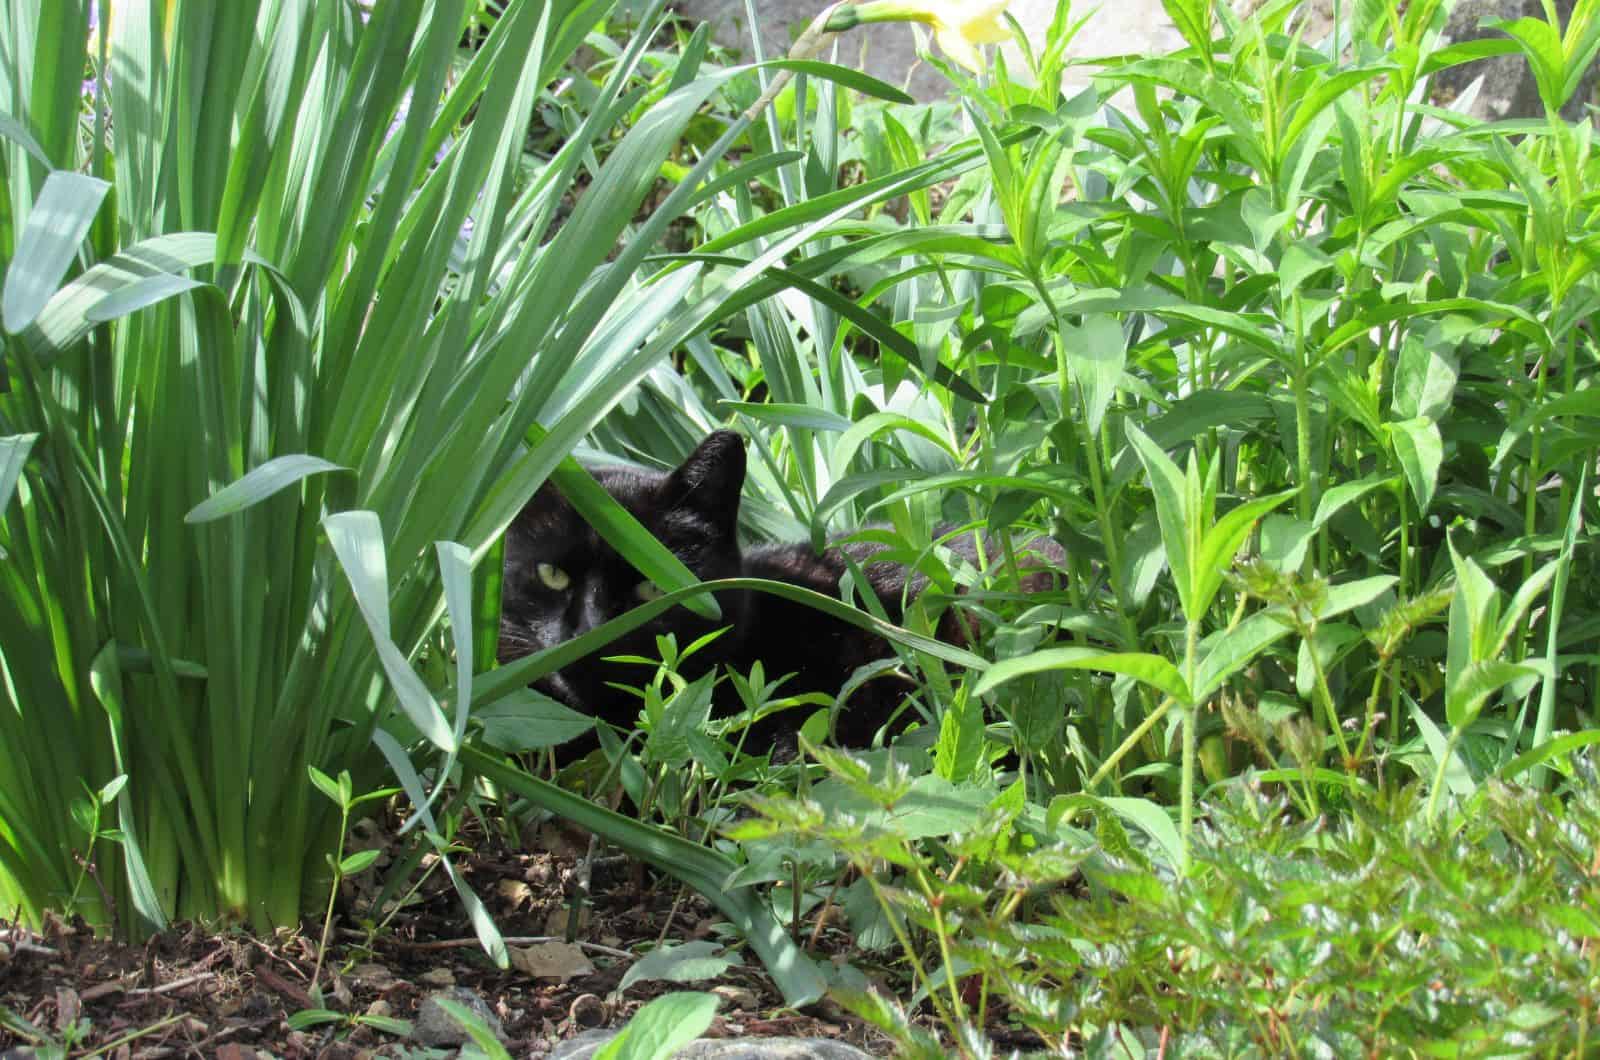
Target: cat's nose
591	612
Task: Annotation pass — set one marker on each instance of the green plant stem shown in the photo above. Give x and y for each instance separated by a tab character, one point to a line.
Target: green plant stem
333	893
1129	742
1191	722
942	935
1371	711
1305	503
1325	696
895	924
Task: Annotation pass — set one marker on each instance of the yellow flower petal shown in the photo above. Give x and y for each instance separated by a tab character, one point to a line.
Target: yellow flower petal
959	26
957	47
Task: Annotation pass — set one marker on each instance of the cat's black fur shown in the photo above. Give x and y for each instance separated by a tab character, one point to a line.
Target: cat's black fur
562	580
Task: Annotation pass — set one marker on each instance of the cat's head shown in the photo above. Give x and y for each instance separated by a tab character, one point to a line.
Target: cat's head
562	579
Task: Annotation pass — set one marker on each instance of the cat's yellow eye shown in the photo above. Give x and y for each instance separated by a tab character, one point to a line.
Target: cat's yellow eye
553	577
647	591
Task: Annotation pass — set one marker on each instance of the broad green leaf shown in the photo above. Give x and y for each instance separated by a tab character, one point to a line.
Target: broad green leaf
50	239
661	1028
875	425
1474	617
526	720
1420	450
1530	179
1097	353
1324	90
357	540
1193	20
1466	52
1541	44
358	862
1348	596
17	133
65	319
961	739
1580	403
455	579
1283	541
1154	821
1163	303
328	786
1173	513
1521	600
1227	651
784	414
1424	380
1465	695
1221	542
1300	262
1204	410
258	484
1334	499
1152	670
686	963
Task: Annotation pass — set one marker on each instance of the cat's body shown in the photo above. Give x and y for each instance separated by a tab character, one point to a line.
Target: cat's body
562	580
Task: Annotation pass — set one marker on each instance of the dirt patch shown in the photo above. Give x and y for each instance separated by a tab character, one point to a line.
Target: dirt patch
201	993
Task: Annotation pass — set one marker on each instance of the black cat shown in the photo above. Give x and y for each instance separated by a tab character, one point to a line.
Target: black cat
562	580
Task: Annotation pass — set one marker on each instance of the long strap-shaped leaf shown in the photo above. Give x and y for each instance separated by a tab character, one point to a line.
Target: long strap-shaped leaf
704	870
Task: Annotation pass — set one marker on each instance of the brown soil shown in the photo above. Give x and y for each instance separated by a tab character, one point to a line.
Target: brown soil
199	993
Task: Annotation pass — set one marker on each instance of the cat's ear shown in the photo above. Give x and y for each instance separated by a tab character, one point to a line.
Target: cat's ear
710	480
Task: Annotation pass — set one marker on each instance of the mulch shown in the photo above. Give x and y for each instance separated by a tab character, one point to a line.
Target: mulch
198	992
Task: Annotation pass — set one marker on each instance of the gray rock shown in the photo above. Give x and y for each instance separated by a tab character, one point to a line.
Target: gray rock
888	50
585	1045
434	1026
1508	89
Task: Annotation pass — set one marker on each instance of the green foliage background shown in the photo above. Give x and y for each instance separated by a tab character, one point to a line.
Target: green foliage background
303	300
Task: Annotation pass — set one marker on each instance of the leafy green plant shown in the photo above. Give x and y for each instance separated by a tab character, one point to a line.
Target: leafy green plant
342	793
307	305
